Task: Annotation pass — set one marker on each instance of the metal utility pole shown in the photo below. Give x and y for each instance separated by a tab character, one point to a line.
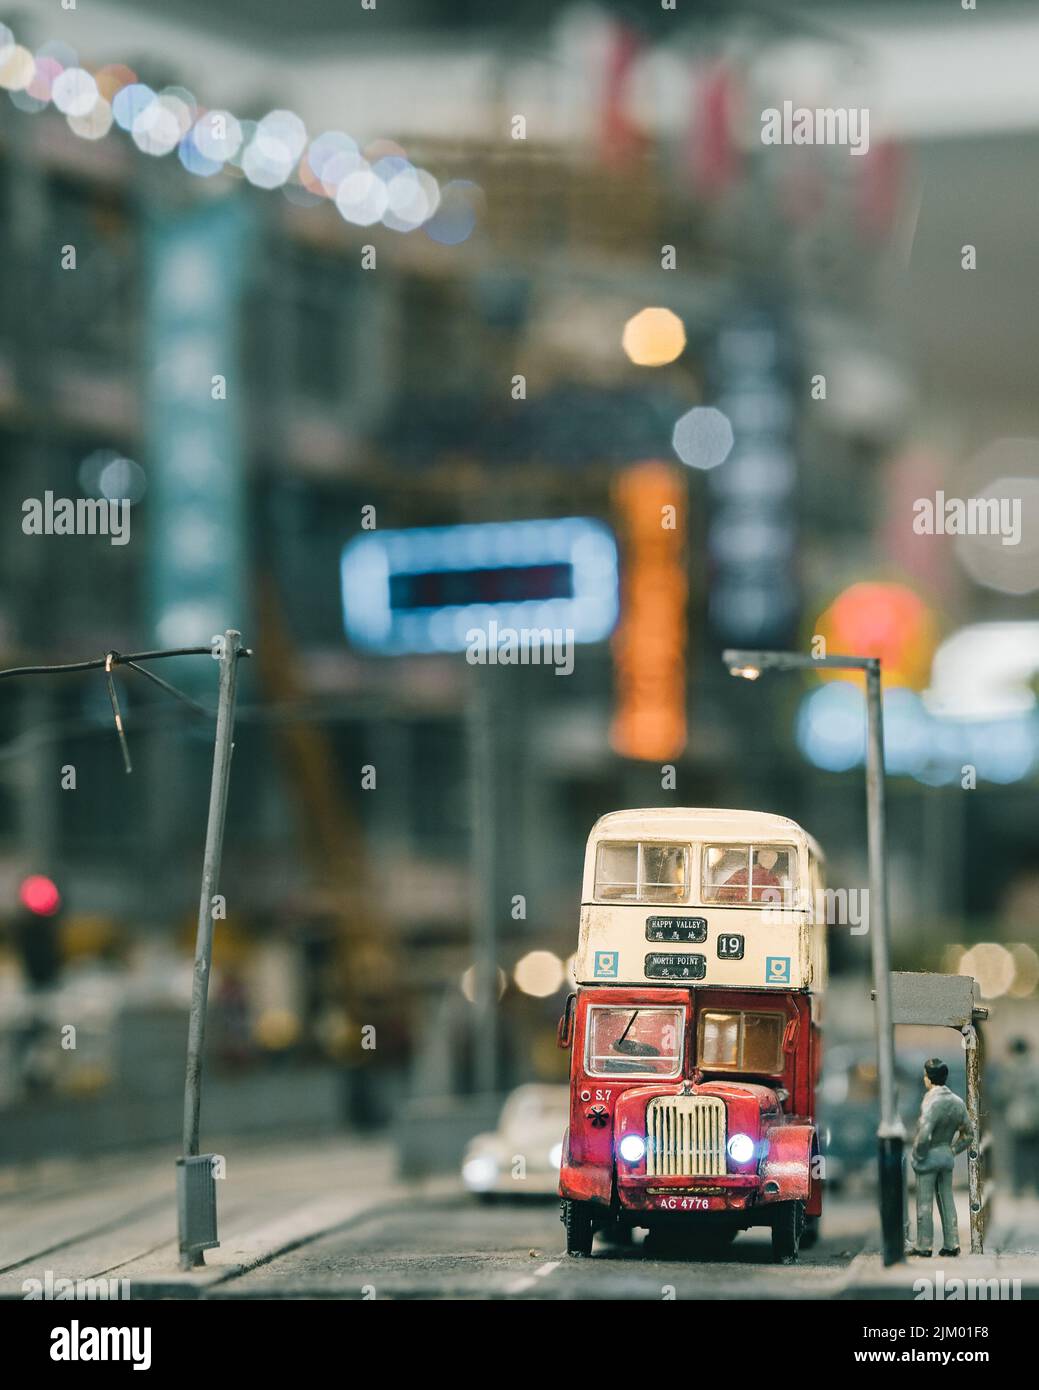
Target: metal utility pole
890	1130
196	1187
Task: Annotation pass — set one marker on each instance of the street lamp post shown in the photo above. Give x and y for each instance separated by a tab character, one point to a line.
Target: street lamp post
196	1188
890	1131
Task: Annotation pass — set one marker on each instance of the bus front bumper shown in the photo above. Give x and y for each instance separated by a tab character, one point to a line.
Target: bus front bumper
682	1193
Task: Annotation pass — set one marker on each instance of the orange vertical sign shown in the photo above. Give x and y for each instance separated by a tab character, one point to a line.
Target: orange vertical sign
649	645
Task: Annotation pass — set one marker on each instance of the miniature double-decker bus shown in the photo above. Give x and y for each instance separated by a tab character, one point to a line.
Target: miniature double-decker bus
695	1031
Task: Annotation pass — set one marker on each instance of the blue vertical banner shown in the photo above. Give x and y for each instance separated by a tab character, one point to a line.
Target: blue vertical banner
194	423
753	527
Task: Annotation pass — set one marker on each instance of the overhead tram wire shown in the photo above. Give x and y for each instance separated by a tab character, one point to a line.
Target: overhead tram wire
112	659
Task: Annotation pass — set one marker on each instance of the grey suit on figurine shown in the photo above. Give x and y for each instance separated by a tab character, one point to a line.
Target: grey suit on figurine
944	1131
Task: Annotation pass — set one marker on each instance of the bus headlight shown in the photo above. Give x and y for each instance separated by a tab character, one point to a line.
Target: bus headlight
741	1148
632	1148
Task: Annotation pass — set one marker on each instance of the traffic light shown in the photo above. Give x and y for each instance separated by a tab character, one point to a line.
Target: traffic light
35	930
39	895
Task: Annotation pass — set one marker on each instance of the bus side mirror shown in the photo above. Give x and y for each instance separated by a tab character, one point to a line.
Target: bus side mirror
565	1031
790	1035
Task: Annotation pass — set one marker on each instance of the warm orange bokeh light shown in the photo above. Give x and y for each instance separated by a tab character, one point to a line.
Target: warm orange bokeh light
649	645
654	337
885	620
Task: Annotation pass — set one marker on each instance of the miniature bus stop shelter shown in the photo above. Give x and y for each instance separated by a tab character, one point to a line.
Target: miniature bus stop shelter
950	1001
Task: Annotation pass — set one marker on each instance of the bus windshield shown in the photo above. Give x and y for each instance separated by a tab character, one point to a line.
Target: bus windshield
740	1041
632	1040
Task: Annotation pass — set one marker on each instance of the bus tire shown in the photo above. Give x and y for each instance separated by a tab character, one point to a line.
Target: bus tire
577	1222
788	1221
810	1234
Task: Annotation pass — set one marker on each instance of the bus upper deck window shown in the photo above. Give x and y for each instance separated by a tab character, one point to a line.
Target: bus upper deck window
739	874
642	872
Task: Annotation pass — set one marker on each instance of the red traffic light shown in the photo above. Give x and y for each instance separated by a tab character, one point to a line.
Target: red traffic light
40	895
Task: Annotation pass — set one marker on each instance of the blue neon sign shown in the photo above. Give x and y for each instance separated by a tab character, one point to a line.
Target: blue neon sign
423	590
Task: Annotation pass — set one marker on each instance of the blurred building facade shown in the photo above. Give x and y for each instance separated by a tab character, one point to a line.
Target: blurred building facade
637	178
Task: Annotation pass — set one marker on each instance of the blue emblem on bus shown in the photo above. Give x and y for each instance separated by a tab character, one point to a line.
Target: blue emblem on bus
777	970
606	965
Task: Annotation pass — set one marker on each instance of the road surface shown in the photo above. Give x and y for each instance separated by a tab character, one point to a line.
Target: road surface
455	1247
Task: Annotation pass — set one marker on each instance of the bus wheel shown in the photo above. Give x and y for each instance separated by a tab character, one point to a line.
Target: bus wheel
787	1227
577	1222
810	1234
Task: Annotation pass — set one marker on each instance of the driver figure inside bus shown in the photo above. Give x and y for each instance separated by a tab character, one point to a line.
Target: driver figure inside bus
943	1132
767	886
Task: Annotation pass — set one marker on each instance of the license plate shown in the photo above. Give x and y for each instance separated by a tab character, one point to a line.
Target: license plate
690	1203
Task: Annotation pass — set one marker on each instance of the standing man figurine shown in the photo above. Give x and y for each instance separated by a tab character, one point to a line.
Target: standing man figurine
944	1131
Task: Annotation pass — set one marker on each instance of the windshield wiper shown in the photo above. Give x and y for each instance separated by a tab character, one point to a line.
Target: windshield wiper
634	1049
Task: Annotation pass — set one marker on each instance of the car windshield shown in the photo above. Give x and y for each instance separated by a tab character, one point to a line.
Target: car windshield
632	1040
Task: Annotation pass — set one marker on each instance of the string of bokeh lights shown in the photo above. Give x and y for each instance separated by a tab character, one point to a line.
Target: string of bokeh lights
376	185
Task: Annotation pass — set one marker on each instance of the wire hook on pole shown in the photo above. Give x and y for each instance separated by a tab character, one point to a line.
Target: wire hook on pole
113	696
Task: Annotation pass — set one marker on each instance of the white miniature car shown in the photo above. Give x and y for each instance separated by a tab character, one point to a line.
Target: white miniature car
522	1156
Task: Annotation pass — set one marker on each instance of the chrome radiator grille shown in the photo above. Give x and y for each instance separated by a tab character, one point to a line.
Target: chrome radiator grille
685	1135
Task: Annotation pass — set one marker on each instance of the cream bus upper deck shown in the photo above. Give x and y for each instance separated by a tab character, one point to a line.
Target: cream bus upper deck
704	897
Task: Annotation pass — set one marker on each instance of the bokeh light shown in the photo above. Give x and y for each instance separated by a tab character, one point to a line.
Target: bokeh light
539	973
467	984
455	219
74	92
885	620
40	895
129	102
195	162
112	78
1006	559
17	68
217	136
95	124
992	966
703	437
653	337
48	69
156	129
361	197
830	732
1026	970
830	728
122	478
